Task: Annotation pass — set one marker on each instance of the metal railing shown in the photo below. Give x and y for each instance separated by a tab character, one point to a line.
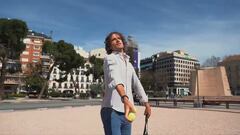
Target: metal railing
227	101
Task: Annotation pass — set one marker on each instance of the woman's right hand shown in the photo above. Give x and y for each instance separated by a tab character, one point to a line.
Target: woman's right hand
128	107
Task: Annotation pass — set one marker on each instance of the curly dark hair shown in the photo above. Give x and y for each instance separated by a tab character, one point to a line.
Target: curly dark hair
108	42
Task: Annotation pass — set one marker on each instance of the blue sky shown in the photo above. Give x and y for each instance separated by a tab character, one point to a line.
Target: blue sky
200	27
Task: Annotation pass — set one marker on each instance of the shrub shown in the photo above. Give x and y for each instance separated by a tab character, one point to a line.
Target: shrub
55	93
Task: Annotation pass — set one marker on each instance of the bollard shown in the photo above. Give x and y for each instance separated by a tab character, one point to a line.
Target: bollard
198	104
157	103
227	105
175	103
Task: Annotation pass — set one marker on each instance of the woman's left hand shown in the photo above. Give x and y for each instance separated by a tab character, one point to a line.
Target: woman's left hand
147	111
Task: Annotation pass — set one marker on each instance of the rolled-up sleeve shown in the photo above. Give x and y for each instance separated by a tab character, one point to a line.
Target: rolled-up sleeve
112	71
138	88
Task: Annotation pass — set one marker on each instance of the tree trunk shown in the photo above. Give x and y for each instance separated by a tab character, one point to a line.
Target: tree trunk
2	78
74	83
46	83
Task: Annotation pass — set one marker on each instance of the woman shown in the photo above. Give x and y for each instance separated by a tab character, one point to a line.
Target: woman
119	79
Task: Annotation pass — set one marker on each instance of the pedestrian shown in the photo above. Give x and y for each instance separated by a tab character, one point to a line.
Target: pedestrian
120	80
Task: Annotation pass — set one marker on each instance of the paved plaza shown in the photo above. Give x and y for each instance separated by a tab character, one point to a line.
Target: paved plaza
86	121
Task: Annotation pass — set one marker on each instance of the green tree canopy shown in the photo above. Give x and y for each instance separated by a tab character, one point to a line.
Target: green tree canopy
64	56
97	67
35	82
147	80
12	32
96	89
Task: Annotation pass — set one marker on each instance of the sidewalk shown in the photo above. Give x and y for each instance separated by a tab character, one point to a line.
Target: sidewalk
18	100
25	99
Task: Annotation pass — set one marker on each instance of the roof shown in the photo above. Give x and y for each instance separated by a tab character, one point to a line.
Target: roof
36	34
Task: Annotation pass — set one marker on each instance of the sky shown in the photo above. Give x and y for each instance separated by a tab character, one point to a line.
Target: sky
203	28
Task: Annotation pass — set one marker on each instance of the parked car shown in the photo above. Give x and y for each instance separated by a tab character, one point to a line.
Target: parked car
33	93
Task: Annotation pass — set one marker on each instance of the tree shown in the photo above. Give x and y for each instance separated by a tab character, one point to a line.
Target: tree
211	62
97	71
97	68
95	90
34	82
161	83
65	57
12	32
147	80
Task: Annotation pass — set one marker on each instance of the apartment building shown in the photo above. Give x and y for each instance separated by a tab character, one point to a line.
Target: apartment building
172	71
81	80
98	53
82	52
14	79
146	64
33	52
79	77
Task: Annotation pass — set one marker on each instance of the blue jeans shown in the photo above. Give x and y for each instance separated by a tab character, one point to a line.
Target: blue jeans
114	122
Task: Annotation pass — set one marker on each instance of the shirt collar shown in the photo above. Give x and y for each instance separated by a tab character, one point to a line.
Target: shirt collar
122	55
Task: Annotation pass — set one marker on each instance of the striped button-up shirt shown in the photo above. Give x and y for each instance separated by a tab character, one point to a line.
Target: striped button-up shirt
118	70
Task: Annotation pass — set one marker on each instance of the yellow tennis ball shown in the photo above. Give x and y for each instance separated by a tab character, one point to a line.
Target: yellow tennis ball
131	116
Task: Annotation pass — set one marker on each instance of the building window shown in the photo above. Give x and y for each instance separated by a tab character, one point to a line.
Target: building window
77	72
65	85
82	86
27	46
54	85
82	80
77	85
24	59
60	85
82	72
71	85
36	54
24	65
35	60
37	41
55	71
37	47
25	53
